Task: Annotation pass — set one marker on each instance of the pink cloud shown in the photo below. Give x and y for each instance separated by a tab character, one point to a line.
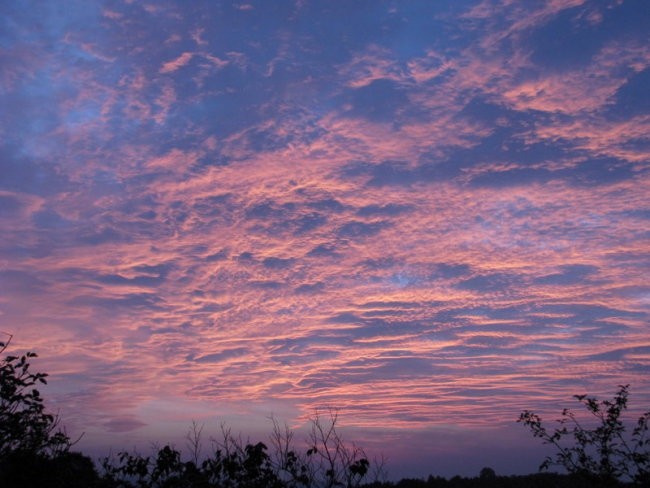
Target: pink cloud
164	102
196	37
601	138
373	64
186	57
175	64
587	89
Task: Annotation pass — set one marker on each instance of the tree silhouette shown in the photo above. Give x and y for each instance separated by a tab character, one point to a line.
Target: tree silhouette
602	453
328	462
34	450
25	426
334	462
487	473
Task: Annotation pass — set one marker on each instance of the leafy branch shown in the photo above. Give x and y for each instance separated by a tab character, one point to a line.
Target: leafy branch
604	452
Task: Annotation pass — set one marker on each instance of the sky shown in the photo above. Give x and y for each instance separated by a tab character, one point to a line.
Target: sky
428	215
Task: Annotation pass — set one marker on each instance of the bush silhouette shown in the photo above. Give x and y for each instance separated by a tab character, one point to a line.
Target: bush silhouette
34	451
24	424
487	473
605	453
328	462
34	470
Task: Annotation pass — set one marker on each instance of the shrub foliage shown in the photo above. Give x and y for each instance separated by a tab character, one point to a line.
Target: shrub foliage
25	426
328	463
599	448
35	451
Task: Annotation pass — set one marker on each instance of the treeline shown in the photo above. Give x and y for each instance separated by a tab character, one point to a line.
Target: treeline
538	480
35	452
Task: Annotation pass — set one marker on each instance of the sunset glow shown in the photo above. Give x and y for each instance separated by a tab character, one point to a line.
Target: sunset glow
429	215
